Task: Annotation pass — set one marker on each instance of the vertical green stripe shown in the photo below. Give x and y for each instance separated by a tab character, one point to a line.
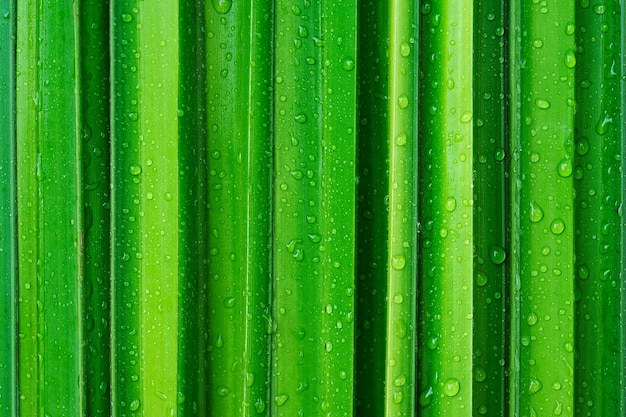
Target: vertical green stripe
402	139
546	198
239	146
146	201
446	169
490	209
8	221
49	210
598	209
372	221
314	202
94	101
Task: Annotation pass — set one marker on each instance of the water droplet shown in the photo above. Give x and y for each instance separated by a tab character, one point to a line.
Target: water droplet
398	262
536	212
399	381
537	43
259	405
222	6
480	374
126	17
450	204
315	238
481	279
229	302
403	101
405	49
497	254
398	299
565	167
603	124
582	146
557	227
223	391
466	117
134	116
599	9
348	64
397	397
542	103
134	169
301	118
400	328
134	405
401	139
534	386
328	346
570	58
451	387
532	319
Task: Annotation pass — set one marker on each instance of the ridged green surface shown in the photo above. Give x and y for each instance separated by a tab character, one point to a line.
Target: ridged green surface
372	220
446	248
95	153
146	201
491	212
543	74
49	210
314	208
239	123
599	199
8	224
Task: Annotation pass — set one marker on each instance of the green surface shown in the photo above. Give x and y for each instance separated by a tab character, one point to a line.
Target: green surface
599	199
94	102
49	210
543	76
446	248
314	208
491	213
8	225
238	59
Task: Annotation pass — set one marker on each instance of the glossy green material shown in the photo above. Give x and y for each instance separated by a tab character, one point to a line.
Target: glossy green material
314	208
239	44
94	102
599	199
147	198
402	241
543	135
49	209
373	216
447	224
8	223
490	209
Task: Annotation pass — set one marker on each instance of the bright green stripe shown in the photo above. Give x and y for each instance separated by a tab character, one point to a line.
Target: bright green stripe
402	189
49	209
372	222
96	194
598	209
8	234
192	183
490	209
239	146
546	226
313	208
145	257
447	215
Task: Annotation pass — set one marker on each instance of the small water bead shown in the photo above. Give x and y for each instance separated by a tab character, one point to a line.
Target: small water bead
328	346
480	374
582	146
542	103
405	49
536	212
398	262
134	116
259	405
222	6
403	101
532	319
603	124
451	387
134	405
399	381
558	226
401	139
301	118
280	400
398	299
466	117
534	386
537	43
450	204
599	9
223	391
134	169
565	167
570	58
481	279
348	64
497	254
126	17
